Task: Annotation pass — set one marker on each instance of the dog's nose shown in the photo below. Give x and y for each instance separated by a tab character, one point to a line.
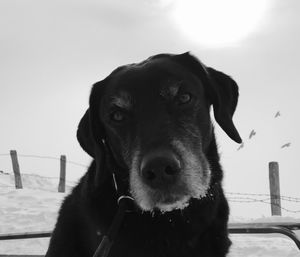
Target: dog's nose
160	169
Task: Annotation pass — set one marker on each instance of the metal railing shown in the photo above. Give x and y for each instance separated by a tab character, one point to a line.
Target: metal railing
284	228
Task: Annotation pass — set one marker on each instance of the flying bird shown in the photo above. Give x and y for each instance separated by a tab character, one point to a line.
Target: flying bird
241	146
252	134
286	145
277	114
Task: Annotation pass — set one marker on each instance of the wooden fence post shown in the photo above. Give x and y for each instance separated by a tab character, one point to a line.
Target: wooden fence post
274	188
16	168
62	177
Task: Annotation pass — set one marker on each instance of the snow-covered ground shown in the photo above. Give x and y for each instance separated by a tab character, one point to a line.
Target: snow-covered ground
34	208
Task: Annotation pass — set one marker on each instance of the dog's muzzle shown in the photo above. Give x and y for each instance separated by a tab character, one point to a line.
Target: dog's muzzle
166	179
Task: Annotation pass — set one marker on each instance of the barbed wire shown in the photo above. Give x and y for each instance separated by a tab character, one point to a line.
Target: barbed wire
47	157
286	198
38	175
237	197
78	164
263	201
266	199
250	198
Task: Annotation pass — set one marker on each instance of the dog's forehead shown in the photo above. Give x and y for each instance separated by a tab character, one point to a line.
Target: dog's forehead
150	78
123	93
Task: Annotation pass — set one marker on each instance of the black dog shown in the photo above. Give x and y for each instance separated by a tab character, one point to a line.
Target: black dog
149	123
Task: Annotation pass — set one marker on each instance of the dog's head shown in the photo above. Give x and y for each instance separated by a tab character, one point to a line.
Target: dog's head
155	118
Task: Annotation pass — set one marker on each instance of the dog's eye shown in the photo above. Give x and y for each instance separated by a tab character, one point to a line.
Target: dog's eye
184	98
117	116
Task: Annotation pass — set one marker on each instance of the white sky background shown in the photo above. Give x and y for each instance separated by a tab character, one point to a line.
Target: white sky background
52	52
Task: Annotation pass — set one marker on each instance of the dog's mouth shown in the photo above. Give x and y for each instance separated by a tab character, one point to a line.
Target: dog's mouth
163	200
172	202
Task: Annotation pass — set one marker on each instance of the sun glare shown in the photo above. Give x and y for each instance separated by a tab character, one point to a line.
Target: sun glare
217	23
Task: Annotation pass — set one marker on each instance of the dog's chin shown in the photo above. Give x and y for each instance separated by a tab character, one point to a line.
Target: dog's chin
172	203
166	203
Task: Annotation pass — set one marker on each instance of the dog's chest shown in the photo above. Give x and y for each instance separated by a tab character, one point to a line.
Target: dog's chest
155	240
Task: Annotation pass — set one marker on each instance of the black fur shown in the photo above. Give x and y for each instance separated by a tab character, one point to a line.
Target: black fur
198	230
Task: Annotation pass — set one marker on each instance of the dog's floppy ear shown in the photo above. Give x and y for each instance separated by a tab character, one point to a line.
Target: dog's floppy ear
224	97
90	132
84	134
221	90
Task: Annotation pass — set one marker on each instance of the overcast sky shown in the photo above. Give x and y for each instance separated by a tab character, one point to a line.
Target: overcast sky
51	52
